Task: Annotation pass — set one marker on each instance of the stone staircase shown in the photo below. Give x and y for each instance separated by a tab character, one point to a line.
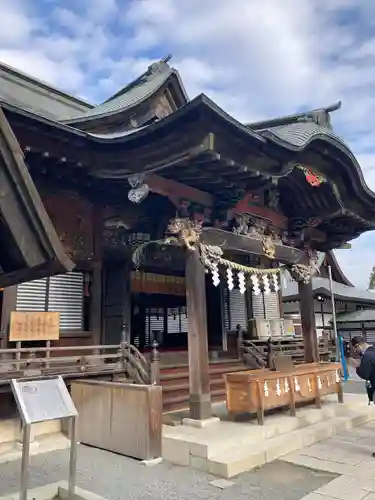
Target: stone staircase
175	382
227	449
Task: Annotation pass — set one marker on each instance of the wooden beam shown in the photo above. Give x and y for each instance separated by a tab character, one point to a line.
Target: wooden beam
199	376
174	189
310	339
31	273
36	246
248	206
250	244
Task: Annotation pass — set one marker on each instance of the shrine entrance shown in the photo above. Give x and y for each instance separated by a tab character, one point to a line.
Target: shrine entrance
159	312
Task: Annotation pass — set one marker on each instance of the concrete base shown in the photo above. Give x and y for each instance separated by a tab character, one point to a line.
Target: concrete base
46	436
152	462
47	443
55	491
226	448
200	424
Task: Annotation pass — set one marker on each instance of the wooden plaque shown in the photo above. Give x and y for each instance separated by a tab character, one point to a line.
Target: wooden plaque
25	326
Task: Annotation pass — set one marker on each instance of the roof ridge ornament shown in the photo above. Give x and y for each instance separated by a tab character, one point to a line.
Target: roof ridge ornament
322	116
159	66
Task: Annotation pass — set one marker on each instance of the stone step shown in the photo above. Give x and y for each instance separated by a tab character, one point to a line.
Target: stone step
230	448
239	460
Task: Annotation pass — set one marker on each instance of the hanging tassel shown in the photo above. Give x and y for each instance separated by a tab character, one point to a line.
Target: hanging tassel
278	388
297	387
275	282
266	390
266	284
215	275
255	281
241	282
230	279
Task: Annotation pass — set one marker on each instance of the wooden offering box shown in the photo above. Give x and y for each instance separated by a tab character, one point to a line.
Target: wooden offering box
256	391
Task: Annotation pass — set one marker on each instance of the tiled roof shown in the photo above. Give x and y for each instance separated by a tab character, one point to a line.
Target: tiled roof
321	286
301	133
134	93
298	130
356	316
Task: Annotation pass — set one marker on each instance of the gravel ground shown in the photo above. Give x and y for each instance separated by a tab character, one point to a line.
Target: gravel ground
119	478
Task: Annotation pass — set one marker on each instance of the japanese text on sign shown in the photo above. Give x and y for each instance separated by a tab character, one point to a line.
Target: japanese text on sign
26	326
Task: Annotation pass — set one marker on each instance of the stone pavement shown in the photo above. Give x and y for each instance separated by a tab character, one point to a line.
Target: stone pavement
339	468
119	478
347	454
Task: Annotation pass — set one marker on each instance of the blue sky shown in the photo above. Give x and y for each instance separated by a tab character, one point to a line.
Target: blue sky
256	59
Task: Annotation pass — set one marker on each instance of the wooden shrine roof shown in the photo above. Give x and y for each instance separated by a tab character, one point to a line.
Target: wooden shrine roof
143	87
337	272
203	147
30	247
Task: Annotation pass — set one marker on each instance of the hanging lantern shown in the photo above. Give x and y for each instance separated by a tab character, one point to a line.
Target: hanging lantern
241	282
230	279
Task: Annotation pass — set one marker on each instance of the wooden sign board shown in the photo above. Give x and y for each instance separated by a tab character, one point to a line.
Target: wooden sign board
151	283
29	326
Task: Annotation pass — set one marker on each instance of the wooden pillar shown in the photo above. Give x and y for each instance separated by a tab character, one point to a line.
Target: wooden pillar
127	304
96	303
199	376
97	281
306	304
9	305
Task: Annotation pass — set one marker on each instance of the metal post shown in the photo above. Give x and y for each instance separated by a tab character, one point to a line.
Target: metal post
73	456
337	343
25	461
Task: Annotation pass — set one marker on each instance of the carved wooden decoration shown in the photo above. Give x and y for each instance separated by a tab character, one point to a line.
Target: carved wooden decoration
72	217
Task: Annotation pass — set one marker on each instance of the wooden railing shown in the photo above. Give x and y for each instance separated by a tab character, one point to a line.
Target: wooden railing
260	351
80	361
252	355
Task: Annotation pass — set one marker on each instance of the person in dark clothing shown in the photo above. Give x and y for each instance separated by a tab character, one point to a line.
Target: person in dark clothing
366	368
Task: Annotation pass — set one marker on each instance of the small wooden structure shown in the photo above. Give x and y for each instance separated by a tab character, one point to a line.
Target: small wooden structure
118	417
259	390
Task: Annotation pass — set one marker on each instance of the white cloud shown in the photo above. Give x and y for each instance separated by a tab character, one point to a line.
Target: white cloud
256	59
